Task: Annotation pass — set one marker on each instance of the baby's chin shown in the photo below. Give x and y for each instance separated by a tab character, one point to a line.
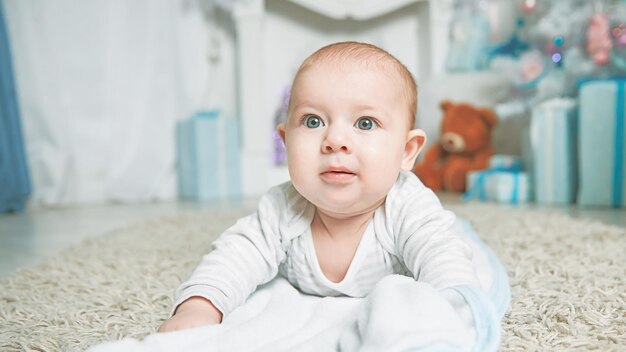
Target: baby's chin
345	210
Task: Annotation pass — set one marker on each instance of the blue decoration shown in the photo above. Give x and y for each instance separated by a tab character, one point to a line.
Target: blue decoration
513	47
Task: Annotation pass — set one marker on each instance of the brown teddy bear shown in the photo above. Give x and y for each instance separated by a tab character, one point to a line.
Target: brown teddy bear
464	145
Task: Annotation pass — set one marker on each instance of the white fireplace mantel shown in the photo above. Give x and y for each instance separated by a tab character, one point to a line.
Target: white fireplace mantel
353	9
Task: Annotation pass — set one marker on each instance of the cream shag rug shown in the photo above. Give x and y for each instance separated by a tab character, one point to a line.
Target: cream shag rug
567	281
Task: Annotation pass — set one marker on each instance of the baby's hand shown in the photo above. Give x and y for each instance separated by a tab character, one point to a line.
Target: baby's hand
196	311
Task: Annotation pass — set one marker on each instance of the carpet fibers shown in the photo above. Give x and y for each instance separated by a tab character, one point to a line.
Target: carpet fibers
568	281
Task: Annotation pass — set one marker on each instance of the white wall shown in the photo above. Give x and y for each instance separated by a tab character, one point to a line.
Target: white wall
101	84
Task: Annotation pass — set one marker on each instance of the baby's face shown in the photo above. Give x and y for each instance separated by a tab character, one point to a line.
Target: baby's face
345	136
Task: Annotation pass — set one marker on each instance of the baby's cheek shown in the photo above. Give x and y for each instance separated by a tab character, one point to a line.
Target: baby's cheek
384	152
384	160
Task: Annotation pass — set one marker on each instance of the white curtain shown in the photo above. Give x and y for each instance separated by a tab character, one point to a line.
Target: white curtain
101	85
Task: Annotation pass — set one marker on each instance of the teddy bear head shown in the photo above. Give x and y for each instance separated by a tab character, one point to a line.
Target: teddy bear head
465	128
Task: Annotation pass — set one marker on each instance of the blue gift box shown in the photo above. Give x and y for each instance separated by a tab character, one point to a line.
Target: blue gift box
553	143
602	170
498	185
208	156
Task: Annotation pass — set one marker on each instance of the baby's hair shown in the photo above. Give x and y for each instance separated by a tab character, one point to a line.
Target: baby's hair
368	54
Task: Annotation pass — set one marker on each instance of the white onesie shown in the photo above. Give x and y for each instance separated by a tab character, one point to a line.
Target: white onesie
410	234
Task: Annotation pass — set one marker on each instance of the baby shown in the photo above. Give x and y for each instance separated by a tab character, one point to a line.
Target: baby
352	213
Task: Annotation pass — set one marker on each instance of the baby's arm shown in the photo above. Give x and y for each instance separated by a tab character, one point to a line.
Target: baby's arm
246	255
426	240
195	311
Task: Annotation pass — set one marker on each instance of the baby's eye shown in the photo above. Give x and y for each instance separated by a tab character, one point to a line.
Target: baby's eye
366	123
313	121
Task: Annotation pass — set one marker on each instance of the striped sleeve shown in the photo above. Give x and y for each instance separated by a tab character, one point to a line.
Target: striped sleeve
425	239
246	255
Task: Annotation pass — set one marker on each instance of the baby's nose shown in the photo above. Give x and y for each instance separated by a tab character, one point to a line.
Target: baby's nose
330	149
336	141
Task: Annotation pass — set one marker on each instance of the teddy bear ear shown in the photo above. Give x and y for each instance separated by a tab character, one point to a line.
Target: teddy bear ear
489	116
445	105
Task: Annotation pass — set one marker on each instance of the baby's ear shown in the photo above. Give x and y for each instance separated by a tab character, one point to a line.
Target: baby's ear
415	141
281	131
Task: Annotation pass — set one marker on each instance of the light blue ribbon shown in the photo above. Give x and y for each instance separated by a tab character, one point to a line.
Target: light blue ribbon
619	145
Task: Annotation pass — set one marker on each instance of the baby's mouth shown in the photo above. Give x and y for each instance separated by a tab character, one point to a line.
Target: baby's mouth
338	170
338	175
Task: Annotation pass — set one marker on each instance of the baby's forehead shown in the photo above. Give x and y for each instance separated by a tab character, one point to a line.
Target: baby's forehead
372	61
385	67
